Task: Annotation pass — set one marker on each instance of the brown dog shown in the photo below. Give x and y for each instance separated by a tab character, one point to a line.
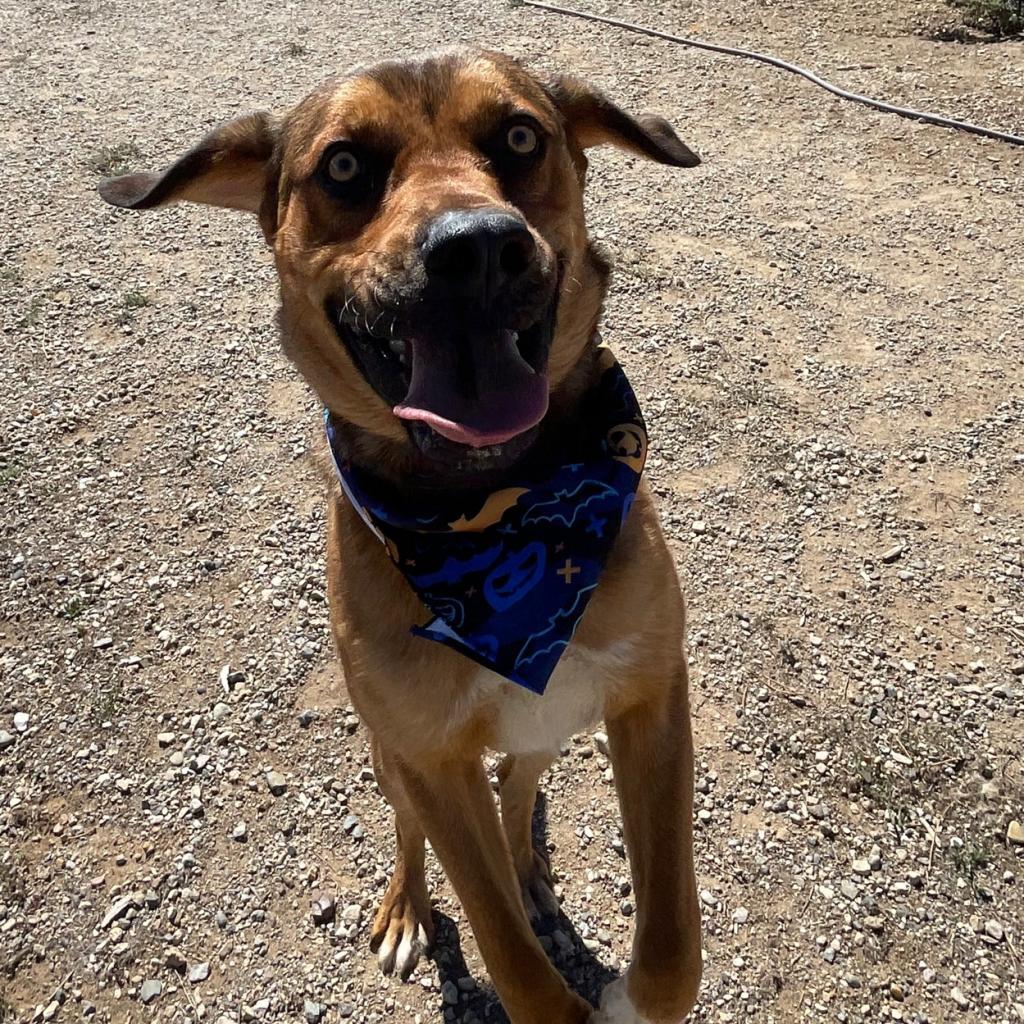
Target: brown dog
440	295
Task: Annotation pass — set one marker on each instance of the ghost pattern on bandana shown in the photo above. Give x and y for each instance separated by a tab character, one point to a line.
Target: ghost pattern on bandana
507	582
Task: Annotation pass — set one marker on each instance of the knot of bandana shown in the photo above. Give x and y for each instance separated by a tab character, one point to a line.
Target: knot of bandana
508	579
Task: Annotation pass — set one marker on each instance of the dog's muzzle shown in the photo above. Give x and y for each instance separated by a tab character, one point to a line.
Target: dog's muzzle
466	360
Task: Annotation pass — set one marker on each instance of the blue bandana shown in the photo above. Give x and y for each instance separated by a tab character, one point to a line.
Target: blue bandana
508	579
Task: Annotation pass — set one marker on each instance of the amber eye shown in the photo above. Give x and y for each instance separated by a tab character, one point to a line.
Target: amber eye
522	140
343	167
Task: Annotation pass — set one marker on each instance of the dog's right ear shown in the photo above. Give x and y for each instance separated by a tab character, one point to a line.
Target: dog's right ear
231	167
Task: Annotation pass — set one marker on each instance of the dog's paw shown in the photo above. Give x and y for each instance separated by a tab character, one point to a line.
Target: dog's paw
538	890
616	1006
400	935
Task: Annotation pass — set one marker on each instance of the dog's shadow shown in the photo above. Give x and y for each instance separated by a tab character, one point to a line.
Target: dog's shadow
584	973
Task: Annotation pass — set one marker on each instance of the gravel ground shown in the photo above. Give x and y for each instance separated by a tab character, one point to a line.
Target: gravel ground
824	323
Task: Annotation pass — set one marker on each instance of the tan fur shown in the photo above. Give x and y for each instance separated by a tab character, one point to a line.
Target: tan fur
431	712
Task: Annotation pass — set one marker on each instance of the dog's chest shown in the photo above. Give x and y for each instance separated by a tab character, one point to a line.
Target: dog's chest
522	722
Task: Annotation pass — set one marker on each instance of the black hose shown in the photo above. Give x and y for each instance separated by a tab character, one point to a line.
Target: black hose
764	58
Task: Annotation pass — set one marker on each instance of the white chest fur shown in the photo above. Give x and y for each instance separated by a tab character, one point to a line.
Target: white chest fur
574	700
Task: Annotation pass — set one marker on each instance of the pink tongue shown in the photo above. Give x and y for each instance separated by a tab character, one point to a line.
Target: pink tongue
479	396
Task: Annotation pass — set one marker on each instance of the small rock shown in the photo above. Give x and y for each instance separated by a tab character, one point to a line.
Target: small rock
960	999
601	742
199	973
1015	833
165	739
240	833
313	1011
306	719
994	930
117	910
150	990
861	867
893	554
175	959
449	993
6	740
740	915
323	907
20	721
277	783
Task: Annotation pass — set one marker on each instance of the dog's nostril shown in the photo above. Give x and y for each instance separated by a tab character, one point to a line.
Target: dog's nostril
516	254
460	257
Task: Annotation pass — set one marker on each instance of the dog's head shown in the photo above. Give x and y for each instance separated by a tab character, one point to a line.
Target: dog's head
427	223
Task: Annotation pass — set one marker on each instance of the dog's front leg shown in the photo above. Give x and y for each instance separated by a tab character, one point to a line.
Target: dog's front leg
652	754
458	814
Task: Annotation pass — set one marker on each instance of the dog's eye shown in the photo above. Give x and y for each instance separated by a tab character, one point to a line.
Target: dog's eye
522	140
343	167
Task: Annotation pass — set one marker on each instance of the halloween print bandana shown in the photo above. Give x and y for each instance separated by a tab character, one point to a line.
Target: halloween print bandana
508	579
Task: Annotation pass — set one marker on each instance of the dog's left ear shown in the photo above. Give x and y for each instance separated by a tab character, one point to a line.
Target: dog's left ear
594	120
230	168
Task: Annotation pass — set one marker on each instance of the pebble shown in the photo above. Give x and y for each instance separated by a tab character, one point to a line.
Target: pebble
6	740
240	833
892	554
1015	833
861	867
199	973
323	908
117	910
314	1012
276	783
450	993
150	990
175	959
960	999
21	721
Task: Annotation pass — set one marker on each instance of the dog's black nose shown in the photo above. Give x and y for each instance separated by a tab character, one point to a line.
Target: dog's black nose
476	254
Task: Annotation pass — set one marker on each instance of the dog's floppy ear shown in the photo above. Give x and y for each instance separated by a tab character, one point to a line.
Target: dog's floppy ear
228	168
594	120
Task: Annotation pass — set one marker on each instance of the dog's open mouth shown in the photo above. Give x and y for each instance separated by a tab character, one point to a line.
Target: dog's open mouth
476	386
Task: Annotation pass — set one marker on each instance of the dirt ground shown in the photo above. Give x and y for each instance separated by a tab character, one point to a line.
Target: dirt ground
825	324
